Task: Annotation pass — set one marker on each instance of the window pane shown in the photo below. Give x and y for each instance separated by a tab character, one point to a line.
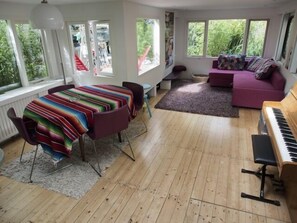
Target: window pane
148	40
287	36
9	73
225	36
104	59
256	38
195	38
81	58
32	50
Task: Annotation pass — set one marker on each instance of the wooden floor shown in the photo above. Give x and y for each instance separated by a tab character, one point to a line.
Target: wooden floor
187	169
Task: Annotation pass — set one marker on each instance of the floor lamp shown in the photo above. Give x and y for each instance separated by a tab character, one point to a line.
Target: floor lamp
46	16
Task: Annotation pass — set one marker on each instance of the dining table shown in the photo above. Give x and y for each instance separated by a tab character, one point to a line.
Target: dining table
63	117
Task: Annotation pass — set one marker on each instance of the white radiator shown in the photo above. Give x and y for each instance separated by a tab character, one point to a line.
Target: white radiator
7	128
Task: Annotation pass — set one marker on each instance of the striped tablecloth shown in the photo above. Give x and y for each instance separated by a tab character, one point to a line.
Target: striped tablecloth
64	116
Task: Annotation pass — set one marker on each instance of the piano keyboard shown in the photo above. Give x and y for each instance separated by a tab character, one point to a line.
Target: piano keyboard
285	140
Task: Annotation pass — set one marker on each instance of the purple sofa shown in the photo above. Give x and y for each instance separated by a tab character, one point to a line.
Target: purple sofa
247	90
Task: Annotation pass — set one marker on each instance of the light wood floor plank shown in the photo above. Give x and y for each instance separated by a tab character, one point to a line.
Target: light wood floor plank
187	169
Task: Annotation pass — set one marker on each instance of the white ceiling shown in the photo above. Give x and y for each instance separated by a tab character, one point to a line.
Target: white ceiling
179	4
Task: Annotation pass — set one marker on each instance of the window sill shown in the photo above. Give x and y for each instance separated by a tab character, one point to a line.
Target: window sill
23	92
146	68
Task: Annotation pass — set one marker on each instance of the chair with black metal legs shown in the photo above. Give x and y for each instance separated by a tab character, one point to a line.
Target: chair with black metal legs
263	154
108	123
25	134
138	98
60	88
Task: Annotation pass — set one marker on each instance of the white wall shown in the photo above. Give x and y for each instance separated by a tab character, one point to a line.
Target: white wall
133	11
202	65
113	12
123	17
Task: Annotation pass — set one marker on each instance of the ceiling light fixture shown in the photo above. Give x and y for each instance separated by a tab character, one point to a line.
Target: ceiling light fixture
46	16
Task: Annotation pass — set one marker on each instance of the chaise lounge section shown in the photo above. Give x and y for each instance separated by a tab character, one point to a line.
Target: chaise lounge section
247	90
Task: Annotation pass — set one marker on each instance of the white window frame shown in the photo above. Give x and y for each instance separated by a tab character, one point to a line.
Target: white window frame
156	46
245	37
11	25
90	58
290	62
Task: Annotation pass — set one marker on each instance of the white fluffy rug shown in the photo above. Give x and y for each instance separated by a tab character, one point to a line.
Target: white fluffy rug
77	179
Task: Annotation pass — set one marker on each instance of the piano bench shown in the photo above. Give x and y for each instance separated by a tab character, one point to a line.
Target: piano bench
263	154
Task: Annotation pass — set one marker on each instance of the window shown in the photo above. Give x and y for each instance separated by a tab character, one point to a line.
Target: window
80	47
148	44
91	42
228	36
32	51
225	36
288	34
196	31
256	37
102	53
22	59
287	43
9	73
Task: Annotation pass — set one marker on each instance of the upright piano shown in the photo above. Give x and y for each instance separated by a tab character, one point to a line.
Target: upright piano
281	123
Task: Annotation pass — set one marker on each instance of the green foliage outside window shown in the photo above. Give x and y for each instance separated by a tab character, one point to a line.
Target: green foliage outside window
225	36
30	40
145	34
256	38
195	38
9	73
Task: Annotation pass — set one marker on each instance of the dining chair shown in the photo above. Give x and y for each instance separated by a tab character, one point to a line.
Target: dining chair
138	98
108	123
20	124
60	88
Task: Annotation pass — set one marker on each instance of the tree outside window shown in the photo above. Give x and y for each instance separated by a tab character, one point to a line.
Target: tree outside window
9	72
148	40
32	50
196	34
226	36
256	37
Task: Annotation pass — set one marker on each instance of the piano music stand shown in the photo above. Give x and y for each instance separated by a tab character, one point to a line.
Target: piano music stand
263	154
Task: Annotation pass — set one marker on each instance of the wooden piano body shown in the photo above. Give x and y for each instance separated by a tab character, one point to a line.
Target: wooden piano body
287	170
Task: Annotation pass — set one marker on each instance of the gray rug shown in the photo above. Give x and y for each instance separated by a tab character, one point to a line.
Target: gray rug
77	179
200	98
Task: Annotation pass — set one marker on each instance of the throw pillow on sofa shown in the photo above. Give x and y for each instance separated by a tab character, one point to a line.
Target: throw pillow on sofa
254	64
231	62
266	69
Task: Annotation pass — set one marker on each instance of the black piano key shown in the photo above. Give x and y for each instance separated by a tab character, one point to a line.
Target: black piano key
294	159
290	140
283	126
293	154
292	149
286	132
293	145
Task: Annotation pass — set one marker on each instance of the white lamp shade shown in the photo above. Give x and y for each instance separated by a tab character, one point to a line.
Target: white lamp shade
45	16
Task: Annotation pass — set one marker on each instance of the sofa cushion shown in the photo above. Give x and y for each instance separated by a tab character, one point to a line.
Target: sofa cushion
266	69
231	62
249	82
255	64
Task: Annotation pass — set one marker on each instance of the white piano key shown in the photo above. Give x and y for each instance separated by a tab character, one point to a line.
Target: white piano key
285	156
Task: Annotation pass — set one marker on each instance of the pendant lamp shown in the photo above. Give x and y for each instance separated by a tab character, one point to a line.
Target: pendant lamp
46	16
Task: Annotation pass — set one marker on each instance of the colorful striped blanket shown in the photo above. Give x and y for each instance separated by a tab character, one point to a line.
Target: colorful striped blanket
64	116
